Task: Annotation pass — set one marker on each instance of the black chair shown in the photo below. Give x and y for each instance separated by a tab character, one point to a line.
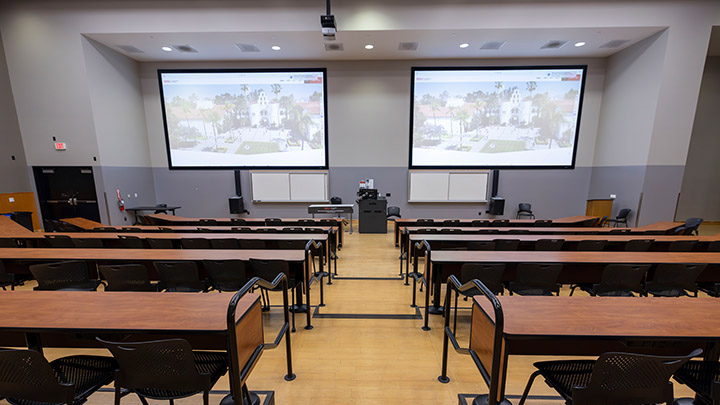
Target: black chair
592	245
306	222
194	243
490	274
71	275
543	222
480	223
242	229
450	230
506	244
638	245
703	377
293	229
536	279
238	221
612	379
225	275
207	222
291	244
165	369
714	246
251	244
179	277
26	377
159	243
130	229
674	279
142	219
225	243
451	222
525	210
273	222
480	245
602	222
87	243
165	230
691	226
682	245
8	243
425	222
126	277
549	244
8	279
59	241
267	230
618	280
393	212
621	217
130	242
500	222
619	231
104	229
268	270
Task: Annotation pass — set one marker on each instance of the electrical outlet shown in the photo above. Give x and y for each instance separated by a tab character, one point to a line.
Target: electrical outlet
613	196
135	195
11	199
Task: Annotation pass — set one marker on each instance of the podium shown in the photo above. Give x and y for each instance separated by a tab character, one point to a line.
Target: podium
601	207
373	215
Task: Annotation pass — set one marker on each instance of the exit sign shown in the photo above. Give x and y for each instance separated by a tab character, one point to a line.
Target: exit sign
60	146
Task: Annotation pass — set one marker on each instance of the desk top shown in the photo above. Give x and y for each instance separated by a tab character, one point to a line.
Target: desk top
608	317
566	220
174	218
331	206
537	229
467	256
177	235
153	208
568	238
83	223
84	311
10	227
150	254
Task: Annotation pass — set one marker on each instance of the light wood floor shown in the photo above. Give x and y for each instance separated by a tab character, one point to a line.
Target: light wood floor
368	361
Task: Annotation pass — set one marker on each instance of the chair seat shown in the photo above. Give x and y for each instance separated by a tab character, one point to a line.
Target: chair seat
591	289
699	376
213	363
88	373
566	374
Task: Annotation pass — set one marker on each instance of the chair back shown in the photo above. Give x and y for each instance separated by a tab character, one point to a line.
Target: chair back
592	245
693	222
450	230
425	222
273	221
165	230
194	243
682	245
251	244
130	229
501	222
126	277
269	269
306	222
59	241
130	242
160	364
543	222
621	280
451	222
104	229
8	243
626	378
602	221
536	279
479	245
27	376
237	221
673	279
225	275
208	222
291	245
293	229
714	246
225	243
393	211
638	245
159	243
68	275
507	244
87	243
480	223
623	214
243	229
179	277
619	231
549	244
490	274
328	222
525	207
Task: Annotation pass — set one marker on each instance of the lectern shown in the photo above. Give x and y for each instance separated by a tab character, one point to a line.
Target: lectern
601	207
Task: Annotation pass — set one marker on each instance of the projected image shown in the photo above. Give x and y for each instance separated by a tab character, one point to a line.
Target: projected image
496	118
245	119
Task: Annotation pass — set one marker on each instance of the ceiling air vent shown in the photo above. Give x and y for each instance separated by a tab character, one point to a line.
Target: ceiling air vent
248	47
184	48
615	43
129	49
333	46
407	46
492	45
554	45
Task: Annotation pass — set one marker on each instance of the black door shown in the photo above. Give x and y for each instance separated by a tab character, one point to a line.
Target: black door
66	192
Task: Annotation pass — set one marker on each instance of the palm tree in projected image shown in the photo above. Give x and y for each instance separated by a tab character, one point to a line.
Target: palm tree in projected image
214	118
298	121
276	89
245	88
498	87
531	87
549	118
462	116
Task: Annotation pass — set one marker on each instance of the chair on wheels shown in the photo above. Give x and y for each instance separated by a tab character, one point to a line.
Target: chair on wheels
179	277
70	275
165	369
674	279
27	378
393	212
703	377
618	280
525	210
612	379
621	218
126	277
536	279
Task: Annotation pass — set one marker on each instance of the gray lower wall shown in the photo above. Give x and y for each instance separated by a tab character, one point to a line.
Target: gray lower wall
130	180
660	194
625	182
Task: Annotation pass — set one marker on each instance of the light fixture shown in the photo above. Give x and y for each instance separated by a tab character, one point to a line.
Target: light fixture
275	48
579	44
166	49
369	46
464	45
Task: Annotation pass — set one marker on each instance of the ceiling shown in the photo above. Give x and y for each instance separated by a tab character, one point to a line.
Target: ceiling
432	44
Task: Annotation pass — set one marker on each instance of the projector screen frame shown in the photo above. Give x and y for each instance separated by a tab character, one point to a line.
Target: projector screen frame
323	70
415	69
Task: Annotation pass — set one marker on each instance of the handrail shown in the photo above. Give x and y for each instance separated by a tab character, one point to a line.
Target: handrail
428	284
238	376
312	244
453	284
415	274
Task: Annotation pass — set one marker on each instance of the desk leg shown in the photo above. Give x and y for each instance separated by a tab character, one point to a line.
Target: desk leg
351	224
436	308
427	294
33	342
397	232
308	326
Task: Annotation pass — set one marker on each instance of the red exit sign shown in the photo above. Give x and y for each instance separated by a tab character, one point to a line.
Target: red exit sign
60	146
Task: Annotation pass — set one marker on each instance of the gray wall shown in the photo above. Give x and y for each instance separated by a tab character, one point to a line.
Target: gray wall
700	196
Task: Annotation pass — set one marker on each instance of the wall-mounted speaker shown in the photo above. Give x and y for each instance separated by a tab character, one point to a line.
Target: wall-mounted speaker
497	206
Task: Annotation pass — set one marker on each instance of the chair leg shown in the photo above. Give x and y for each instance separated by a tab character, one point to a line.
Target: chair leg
527	387
117	395
206	397
572	289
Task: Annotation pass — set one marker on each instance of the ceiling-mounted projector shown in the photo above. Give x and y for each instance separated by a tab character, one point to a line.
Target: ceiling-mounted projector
327	22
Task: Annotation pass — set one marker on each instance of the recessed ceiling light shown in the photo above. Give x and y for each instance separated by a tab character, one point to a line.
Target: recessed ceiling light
166	49
579	44
369	46
275	48
464	45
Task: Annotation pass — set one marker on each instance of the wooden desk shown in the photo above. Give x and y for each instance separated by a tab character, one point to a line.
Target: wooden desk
592	326
10	227
83	223
579	267
297	257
